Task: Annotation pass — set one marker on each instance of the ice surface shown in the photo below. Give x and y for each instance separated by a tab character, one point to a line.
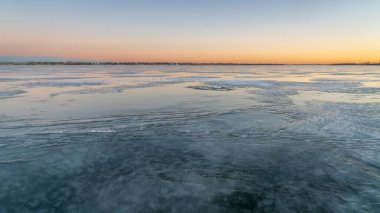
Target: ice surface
65	83
192	79
216	88
189	139
243	83
10	93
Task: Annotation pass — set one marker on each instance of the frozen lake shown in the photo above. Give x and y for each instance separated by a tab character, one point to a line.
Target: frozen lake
189	138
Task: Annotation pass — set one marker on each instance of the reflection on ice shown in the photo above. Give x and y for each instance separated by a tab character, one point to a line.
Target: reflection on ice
189	139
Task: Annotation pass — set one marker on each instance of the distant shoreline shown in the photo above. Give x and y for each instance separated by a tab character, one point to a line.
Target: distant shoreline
172	63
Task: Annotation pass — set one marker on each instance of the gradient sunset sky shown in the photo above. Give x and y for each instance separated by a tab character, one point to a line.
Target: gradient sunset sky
241	31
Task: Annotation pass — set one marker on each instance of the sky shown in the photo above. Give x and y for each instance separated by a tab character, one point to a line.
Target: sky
236	31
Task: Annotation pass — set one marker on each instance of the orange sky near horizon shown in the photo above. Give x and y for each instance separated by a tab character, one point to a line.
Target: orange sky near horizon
272	52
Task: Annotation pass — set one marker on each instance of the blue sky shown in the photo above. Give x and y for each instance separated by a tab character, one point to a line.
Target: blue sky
142	29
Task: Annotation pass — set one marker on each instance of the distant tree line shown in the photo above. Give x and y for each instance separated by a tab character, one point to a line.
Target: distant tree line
363	63
161	63
123	63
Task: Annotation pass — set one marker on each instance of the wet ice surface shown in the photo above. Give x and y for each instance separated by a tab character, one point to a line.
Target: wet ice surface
189	139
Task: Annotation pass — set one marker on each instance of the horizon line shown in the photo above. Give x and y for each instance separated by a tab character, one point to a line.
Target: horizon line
84	62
